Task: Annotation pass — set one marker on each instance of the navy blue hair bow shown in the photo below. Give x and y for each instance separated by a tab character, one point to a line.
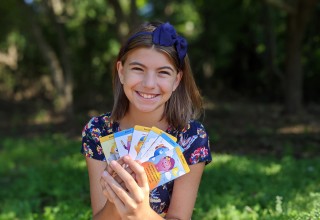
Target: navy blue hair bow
166	35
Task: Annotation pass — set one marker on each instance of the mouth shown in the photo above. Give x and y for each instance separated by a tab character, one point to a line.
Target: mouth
147	96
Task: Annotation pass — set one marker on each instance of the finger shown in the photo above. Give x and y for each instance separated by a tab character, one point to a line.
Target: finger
126	177
110	170
120	197
104	186
115	199
122	163
118	179
140	174
109	180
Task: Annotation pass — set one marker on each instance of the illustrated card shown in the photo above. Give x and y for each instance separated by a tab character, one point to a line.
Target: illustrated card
159	147
123	141
138	137
150	139
109	147
165	167
153	134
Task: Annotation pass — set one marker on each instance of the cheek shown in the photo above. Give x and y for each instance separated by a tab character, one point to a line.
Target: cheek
166	164
167	85
130	79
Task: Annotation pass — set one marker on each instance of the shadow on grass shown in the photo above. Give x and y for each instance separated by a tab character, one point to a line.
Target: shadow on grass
262	129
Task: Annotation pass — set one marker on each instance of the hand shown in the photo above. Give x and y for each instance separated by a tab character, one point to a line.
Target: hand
115	176
132	200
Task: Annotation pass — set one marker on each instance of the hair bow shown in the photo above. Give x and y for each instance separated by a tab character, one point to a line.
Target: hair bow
166	35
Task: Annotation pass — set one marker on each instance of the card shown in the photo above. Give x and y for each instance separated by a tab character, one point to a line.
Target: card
109	147
154	133
138	136
165	167
123	140
161	145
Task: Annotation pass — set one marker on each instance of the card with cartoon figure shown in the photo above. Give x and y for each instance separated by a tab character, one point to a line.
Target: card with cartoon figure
109	147
150	139
161	145
165	167
123	140
138	136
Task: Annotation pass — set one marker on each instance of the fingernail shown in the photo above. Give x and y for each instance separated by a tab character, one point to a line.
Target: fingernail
112	163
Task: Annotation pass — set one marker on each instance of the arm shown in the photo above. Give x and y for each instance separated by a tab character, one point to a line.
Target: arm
182	203
101	208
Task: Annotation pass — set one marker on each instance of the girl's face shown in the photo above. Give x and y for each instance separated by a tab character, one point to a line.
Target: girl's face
148	79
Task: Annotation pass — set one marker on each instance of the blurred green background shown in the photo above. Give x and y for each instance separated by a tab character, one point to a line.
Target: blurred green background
256	64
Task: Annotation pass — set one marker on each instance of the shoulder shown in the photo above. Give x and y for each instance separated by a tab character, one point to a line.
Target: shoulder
97	127
102	125
194	139
194	127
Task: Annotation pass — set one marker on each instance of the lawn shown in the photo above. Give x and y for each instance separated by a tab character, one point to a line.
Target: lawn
45	178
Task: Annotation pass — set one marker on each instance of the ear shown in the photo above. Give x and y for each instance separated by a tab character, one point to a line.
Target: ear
177	80
120	71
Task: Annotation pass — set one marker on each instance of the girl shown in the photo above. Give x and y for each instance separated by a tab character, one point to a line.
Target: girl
153	86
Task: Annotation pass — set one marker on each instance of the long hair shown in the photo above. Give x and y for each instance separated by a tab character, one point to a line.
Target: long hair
185	102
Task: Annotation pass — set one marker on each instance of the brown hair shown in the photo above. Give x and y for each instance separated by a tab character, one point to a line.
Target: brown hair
185	102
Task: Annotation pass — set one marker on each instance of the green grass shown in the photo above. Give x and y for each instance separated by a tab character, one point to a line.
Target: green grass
46	178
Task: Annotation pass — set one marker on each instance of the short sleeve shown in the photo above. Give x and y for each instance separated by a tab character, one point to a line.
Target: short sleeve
96	127
91	146
195	142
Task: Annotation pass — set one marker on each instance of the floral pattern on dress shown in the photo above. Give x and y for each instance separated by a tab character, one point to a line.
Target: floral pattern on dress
193	139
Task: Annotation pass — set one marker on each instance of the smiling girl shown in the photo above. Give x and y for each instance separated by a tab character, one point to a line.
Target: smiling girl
153	86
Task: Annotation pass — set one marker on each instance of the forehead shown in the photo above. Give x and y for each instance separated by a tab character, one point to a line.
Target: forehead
149	57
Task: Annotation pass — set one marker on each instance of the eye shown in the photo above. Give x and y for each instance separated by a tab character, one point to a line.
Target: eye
165	73
137	68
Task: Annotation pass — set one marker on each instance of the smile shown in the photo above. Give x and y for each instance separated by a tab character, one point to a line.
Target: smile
147	96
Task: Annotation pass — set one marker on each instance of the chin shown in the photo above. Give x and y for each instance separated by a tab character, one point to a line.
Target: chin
148	109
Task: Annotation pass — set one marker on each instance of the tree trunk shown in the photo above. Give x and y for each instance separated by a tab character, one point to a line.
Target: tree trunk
66	105
270	41
60	69
293	82
53	62
125	21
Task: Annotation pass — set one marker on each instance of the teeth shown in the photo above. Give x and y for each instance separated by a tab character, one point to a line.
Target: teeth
147	96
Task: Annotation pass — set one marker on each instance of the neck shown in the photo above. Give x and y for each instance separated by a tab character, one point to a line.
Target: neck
143	119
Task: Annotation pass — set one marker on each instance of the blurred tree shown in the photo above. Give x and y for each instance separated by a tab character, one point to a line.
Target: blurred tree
65	48
10	58
53	25
298	16
60	66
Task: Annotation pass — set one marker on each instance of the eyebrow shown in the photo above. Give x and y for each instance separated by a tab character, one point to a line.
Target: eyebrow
140	64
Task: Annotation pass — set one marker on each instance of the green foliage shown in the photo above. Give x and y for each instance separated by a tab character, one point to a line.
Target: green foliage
228	45
242	187
43	178
46	178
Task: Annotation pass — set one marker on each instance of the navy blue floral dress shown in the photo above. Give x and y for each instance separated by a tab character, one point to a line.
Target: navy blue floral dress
193	139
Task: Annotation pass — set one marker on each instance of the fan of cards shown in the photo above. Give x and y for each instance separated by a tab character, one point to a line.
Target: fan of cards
161	156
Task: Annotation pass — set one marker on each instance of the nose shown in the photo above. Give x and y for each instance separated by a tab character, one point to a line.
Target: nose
149	80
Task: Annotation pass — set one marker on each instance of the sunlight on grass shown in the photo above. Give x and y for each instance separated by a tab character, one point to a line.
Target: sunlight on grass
300	129
243	187
46	178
